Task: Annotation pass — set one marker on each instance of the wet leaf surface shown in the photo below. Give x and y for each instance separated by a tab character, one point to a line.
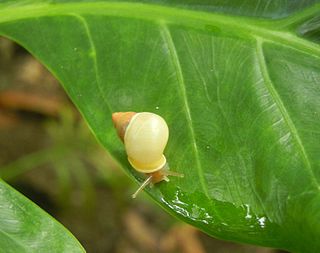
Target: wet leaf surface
238	87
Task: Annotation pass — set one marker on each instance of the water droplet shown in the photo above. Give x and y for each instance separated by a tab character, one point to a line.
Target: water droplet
262	221
208	147
195	211
157	107
75	49
248	215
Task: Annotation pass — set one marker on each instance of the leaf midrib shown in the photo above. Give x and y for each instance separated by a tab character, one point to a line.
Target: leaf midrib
268	30
94	58
182	87
284	112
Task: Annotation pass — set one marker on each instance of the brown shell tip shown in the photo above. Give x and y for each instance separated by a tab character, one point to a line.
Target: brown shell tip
120	121
116	116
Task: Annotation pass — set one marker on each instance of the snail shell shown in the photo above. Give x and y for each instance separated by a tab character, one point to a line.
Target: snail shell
145	136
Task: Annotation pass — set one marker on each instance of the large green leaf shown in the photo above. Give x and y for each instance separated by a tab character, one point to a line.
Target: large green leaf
241	96
24	227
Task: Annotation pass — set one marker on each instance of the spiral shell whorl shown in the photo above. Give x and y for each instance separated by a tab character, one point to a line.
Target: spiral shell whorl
145	136
121	121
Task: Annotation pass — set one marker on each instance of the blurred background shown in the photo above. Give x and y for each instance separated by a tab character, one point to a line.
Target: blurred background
50	156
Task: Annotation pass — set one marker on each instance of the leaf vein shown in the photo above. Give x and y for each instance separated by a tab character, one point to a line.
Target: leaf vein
285	114
196	67
94	57
18	245
174	56
149	12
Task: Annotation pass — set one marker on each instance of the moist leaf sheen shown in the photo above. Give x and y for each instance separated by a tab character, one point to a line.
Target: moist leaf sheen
238	84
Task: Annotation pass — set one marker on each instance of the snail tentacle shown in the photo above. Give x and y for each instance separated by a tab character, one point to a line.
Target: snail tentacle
144	184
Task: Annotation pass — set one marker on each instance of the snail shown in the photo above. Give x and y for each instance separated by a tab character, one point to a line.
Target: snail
145	136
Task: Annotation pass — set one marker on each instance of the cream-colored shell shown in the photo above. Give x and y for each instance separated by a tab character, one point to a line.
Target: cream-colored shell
145	140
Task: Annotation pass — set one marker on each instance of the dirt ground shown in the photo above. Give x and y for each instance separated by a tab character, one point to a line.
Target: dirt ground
50	156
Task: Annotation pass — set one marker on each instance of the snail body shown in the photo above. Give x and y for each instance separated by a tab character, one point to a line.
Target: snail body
145	136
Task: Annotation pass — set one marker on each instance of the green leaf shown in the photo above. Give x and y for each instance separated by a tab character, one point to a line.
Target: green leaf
237	85
24	227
